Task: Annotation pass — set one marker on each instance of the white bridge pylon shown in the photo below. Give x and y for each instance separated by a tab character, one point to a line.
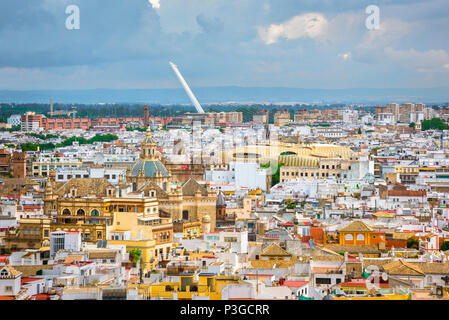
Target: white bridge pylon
189	92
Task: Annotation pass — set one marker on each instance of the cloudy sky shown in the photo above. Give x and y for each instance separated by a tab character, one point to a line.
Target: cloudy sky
275	43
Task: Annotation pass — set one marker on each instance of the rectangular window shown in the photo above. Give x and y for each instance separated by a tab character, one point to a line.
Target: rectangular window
323	281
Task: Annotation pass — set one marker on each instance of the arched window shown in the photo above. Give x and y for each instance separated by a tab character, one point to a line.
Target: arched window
349	237
95	213
80	212
66	212
360	237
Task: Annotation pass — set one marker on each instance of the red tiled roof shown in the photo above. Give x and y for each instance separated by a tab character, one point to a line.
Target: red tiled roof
28	280
295	284
42	296
406	193
363	285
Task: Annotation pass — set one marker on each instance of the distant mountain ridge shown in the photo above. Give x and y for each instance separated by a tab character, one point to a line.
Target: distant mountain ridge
208	95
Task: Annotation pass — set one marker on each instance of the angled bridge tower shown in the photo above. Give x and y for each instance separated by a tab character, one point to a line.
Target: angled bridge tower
189	92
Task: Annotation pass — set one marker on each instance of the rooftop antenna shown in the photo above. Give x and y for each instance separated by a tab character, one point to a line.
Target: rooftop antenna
189	92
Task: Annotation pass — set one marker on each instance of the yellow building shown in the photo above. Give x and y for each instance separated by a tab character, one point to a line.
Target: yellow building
189	229
142	228
356	233
208	285
31	234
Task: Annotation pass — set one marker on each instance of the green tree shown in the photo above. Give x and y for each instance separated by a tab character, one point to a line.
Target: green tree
412	125
135	255
413	243
359	131
445	246
275	178
434	123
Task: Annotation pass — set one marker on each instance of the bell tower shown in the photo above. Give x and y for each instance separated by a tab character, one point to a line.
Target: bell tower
149	147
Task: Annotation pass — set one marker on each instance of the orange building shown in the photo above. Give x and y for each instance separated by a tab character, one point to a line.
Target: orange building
359	233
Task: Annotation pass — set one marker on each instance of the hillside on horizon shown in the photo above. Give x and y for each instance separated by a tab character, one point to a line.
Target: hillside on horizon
230	94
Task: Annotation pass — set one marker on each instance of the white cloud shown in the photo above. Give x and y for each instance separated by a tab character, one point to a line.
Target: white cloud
429	61
345	56
309	25
156	4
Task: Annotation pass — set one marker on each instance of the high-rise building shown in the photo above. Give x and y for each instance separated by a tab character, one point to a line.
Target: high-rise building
31	121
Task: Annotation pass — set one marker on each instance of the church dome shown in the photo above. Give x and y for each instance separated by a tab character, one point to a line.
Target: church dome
148	168
148	139
149	164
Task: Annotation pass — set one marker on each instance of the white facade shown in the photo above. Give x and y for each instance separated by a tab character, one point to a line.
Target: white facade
112	175
242	174
14	120
62	240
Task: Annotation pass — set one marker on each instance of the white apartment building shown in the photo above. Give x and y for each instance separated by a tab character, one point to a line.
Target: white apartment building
64	240
112	175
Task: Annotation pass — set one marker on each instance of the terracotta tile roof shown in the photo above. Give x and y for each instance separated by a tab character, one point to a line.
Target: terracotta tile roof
295	284
433	268
85	187
356	226
350	284
13	273
403	235
353	248
275	250
191	187
102	254
42	296
72	258
406	193
324	270
401	267
269	264
28	280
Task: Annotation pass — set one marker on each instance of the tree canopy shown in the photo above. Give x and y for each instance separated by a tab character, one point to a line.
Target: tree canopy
434	123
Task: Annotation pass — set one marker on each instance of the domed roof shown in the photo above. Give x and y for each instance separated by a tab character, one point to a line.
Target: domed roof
148	139
149	168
